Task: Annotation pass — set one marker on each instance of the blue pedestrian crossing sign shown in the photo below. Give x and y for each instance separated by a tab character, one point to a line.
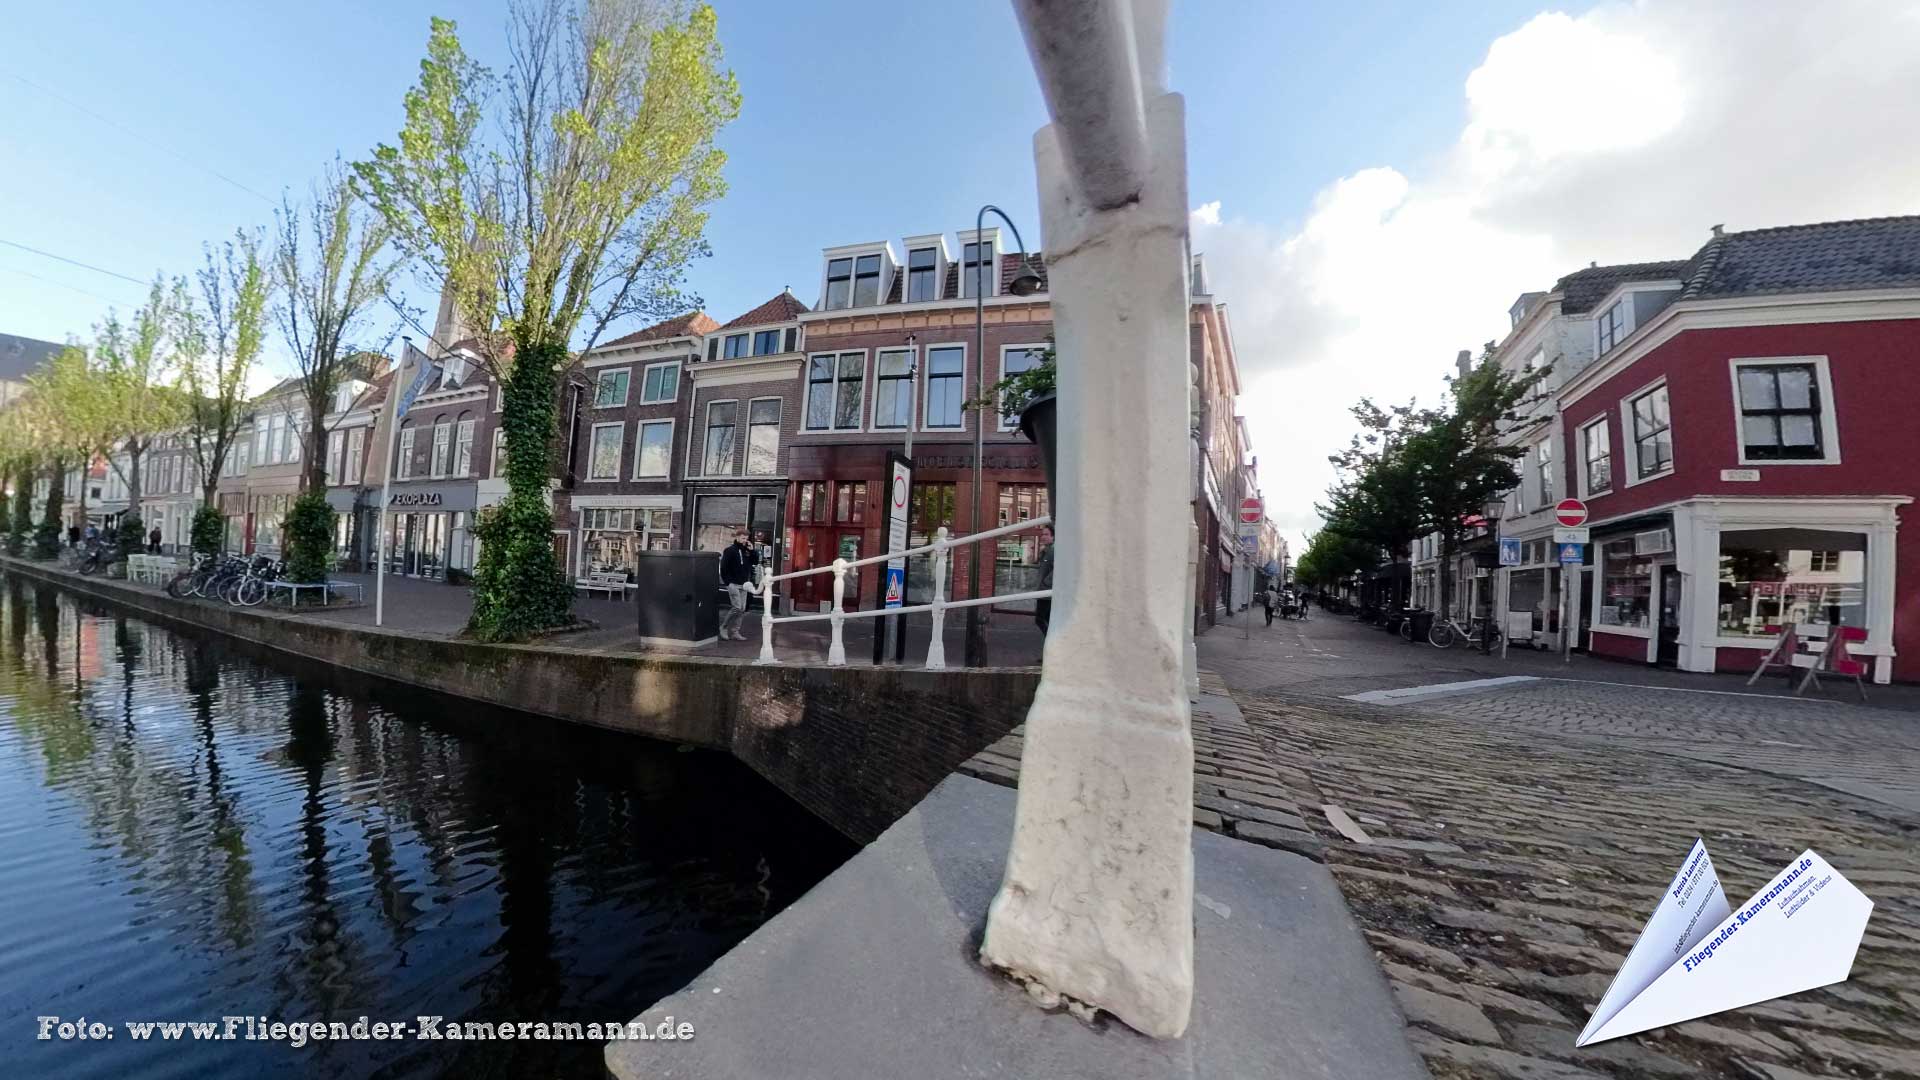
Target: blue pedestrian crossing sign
896	586
1509	551
1572	554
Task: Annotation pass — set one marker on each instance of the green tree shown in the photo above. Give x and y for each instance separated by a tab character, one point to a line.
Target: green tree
220	328
60	396
587	207
134	364
1375	500
1331	559
1462	458
333	272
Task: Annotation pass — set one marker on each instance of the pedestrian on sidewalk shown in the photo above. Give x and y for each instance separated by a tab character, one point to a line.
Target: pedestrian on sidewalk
153	541
1043	607
736	570
73	536
1266	602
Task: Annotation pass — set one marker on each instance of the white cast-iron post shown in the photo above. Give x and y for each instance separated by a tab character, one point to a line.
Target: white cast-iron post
1097	902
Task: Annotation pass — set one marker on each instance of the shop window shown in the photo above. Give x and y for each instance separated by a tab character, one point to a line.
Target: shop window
933	506
716	518
1626	587
613	537
1016	564
1773	576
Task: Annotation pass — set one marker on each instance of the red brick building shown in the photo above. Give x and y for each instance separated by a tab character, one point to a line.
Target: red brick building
891	349
1744	437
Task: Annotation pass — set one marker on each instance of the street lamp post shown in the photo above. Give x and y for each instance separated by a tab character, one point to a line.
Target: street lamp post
1025	283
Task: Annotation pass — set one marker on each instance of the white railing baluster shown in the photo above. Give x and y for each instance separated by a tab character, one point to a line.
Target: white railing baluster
937	643
837	649
941	552
766	620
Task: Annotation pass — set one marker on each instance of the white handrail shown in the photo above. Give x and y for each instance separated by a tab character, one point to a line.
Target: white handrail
836	617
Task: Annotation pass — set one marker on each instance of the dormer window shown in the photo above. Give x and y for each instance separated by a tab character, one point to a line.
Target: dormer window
839	283
977	258
736	346
453	370
923	280
766	342
1612	326
866	281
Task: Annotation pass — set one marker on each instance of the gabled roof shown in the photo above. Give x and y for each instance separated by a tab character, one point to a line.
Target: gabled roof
1582	289
692	324
20	356
1869	253
782	308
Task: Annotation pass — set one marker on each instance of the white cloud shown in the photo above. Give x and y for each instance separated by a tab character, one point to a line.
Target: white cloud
1615	136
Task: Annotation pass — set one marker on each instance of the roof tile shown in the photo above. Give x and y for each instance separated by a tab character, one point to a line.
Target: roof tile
691	324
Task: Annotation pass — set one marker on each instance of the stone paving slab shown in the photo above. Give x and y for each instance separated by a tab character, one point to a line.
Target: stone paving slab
873	974
1565	846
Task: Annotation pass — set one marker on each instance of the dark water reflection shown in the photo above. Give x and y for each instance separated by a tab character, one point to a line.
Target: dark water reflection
188	833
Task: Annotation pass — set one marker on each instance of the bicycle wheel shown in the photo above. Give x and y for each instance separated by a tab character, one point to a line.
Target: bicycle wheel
88	566
252	591
1406	629
1442	635
177	584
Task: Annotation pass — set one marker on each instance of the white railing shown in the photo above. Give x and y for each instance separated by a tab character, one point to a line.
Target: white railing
838	615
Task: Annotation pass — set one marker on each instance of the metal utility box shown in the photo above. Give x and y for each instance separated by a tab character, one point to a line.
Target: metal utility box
678	596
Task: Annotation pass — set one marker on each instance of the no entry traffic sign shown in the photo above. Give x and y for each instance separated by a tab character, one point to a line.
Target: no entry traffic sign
1570	512
1250	511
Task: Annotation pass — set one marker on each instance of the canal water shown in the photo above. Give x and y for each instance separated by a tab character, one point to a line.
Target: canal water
189	832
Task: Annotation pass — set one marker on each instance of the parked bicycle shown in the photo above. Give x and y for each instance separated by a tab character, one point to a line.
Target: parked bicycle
187	580
1446	632
100	557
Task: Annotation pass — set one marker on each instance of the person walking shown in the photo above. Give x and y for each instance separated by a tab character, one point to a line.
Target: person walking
736	571
1266	602
1043	607
153	541
73	536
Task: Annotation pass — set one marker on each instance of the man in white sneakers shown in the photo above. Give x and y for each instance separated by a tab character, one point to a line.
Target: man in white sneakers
736	570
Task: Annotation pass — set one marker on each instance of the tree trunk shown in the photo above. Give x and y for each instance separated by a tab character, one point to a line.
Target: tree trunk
134	453
518	587
314	476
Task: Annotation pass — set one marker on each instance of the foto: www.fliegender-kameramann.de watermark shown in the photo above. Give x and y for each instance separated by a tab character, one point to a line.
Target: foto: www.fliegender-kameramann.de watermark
302	1032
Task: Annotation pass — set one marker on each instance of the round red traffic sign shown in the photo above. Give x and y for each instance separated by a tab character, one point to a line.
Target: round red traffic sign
1250	511
1570	513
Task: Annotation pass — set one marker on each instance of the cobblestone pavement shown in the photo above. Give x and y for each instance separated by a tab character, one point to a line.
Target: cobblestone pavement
1517	837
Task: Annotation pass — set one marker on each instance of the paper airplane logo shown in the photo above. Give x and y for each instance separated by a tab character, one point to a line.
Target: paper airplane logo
1697	956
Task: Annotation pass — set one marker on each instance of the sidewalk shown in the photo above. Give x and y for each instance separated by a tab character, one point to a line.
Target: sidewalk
1337	655
441	610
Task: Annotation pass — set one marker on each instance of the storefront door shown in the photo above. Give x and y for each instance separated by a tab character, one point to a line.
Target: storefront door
1669	615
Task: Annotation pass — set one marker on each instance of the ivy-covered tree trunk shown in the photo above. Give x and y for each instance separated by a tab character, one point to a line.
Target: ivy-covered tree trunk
518	586
309	537
22	511
46	538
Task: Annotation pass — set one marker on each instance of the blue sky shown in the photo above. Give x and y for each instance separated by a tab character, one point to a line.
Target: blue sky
1373	182
857	123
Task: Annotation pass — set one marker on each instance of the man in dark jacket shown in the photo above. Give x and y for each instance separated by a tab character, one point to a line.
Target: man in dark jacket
736	571
1043	607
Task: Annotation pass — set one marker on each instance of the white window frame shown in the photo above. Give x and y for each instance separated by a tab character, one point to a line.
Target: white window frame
647	370
601	375
1630	435
497	456
640	441
939	278
990	279
747	425
1543	468
999	417
1616	311
593	441
914	420
403	463
356	455
706	435
1586	488
1829	420
926	387
746	346
463	442
499	396
438	463
806	388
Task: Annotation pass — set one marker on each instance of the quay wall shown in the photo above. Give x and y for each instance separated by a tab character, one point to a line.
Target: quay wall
857	746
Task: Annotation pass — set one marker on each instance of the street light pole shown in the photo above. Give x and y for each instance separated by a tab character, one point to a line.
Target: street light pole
1024	284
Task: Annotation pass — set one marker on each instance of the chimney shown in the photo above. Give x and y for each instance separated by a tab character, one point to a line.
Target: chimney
1716	230
1463	362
